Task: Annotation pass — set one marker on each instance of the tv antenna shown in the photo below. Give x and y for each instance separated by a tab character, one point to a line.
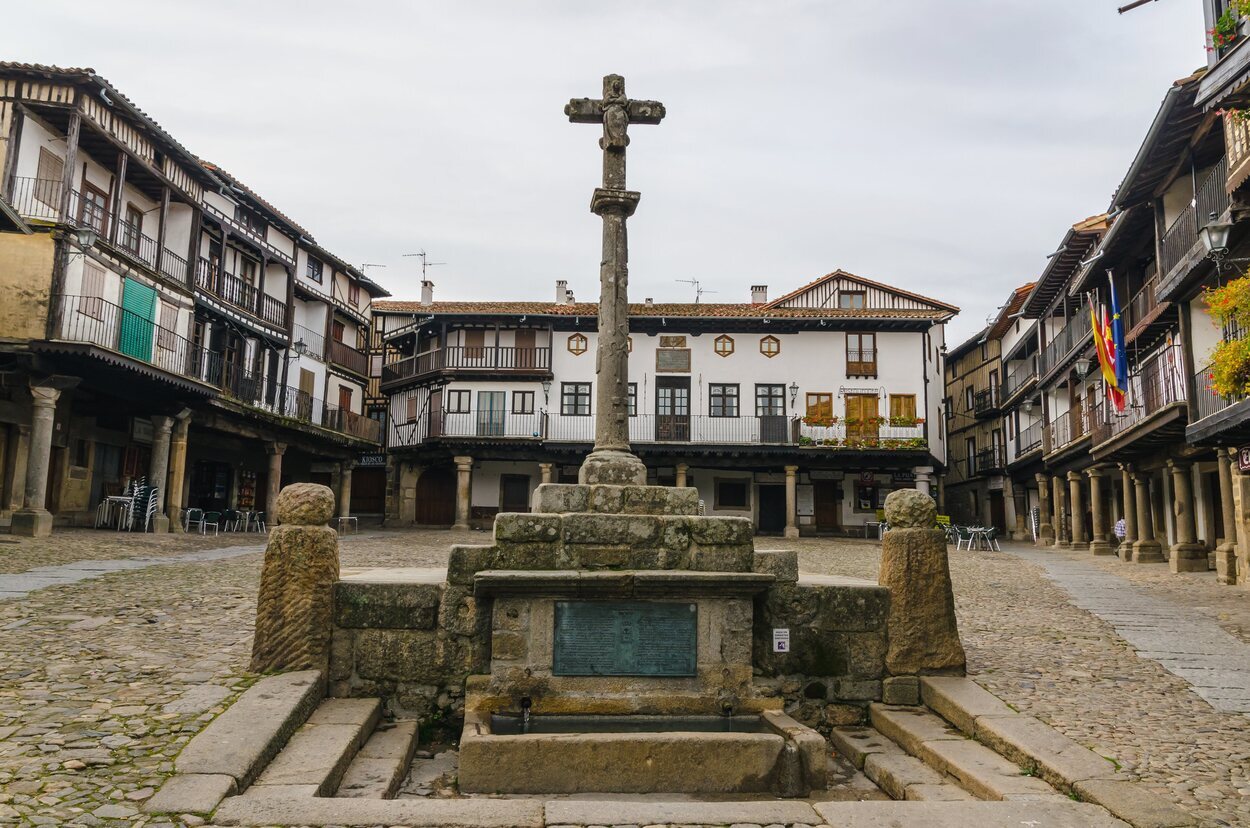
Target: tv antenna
425	261
699	290
364	267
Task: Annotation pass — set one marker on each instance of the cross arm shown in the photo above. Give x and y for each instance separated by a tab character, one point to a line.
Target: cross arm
646	112
590	111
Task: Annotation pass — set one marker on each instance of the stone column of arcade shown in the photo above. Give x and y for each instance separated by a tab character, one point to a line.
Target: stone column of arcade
1226	553
33	520
1187	555
273	482
15	468
1076	512
545	472
1100	544
680	481
345	488
1146	549
158	470
464	471
792	502
1130	513
1063	529
1045	528
177	470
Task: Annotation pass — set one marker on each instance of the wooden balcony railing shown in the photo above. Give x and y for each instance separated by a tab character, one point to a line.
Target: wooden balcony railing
986	401
461	358
242	295
1158	383
1073	335
348	357
1237	146
1029	438
1067	428
861	362
989	460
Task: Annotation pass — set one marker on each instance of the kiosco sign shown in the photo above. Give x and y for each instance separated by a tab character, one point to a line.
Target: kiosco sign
1243	458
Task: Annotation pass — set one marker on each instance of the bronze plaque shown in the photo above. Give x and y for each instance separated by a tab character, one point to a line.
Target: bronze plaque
625	638
673	360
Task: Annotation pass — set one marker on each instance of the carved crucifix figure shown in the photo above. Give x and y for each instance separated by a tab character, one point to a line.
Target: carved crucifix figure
611	461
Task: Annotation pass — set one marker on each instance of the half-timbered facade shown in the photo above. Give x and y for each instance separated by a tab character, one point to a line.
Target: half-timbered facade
152	299
802	412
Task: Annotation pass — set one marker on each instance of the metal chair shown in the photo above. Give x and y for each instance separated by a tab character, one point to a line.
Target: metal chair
229	520
193	517
212	519
258	522
991	539
963	537
149	511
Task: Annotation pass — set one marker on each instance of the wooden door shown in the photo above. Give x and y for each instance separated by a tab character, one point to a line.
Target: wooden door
436	413
514	492
345	398
436	497
772	518
525	354
368	491
827	506
307	384
861	417
672	409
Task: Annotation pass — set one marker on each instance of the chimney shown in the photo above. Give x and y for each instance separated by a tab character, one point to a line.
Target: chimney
759	294
562	292
427	293
569	297
649	302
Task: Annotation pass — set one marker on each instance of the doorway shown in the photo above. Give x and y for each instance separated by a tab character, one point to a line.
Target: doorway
490	413
210	486
672	409
436	497
772	518
826	505
998	514
514	493
368	491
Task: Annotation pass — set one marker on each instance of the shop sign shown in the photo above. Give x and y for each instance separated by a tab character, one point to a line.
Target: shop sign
141	430
370	460
1243	458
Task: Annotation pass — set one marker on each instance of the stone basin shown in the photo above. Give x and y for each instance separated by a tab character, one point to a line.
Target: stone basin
767	753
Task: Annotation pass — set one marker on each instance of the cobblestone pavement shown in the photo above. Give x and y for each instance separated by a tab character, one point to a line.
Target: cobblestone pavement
102	681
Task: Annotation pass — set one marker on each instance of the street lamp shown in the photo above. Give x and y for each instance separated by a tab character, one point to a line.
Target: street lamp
546	391
86	236
794	393
1214	235
1027	407
300	347
1082	367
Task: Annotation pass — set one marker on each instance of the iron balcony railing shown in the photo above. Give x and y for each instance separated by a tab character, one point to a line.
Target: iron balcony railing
1067	428
1029	438
1158	383
248	232
1206	401
1143	304
1180	239
314	342
349	422
989	460
464	358
234	291
92	320
1019	376
348	357
985	401
1073	335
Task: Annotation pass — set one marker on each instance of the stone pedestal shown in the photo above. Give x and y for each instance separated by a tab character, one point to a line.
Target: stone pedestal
295	608
1146	549
1187	555
33	520
923	635
1046	527
1100	543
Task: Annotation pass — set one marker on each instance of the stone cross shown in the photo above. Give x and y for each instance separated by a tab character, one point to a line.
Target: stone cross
611	461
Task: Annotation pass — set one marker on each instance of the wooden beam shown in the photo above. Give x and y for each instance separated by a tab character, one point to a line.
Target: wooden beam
11	150
120	183
71	161
160	232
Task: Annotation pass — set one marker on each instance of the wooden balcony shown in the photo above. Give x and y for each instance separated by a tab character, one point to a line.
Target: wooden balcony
861	363
239	294
1158	384
1019	377
345	356
986	402
1180	248
1063	344
488	360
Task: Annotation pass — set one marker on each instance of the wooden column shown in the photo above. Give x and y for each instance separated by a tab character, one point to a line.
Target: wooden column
122	161
71	162
160	231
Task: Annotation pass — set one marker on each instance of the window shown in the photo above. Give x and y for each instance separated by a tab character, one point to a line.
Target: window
312	270
345	398
457	402
93	208
337	330
577	344
132	228
820	407
48	178
92	302
632	399
851	299
474	343
733	494
948	405
902	409
723	345
247	271
410	412
353	294
575	399
82	453
166	337
861	355
250	221
723	400
770	400
970	448
770	346
969	393
522	402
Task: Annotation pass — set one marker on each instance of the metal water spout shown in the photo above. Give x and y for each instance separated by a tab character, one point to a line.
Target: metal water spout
526	703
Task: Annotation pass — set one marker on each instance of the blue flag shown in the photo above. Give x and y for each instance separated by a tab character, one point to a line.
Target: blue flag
1117	337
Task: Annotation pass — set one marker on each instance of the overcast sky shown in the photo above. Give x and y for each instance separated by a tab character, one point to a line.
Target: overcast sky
943	146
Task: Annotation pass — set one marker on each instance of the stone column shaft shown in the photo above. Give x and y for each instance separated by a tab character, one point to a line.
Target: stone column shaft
545	470
1100	544
273	481
1130	514
1226	553
1063	537
792	502
1146	549
464	471
1045	526
33	520
158	469
1076	512
15	467
177	470
1187	555
345	488
680	482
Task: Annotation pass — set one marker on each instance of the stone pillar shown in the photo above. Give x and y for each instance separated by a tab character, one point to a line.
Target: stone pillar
1241	520
792	502
545	470
1045	526
1063	528
464	470
1076	512
1130	512
923	635
33	520
1146	549
158	470
273	483
1187	555
15	468
680	481
1100	544
177	470
1020	496
345	488
1226	553
924	479
1009	508
295	606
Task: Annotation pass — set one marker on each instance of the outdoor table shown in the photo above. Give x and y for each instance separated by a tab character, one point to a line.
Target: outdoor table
117	505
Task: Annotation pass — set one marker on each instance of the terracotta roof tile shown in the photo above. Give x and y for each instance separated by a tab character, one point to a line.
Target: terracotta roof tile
658	309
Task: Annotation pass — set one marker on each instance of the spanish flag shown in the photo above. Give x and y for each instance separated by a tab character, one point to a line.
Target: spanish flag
1105	345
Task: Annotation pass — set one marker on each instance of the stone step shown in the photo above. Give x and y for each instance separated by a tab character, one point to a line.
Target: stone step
1065	814
382	764
562	498
319	753
894	771
979	770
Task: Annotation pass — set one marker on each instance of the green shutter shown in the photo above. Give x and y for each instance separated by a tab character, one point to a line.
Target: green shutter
138	316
